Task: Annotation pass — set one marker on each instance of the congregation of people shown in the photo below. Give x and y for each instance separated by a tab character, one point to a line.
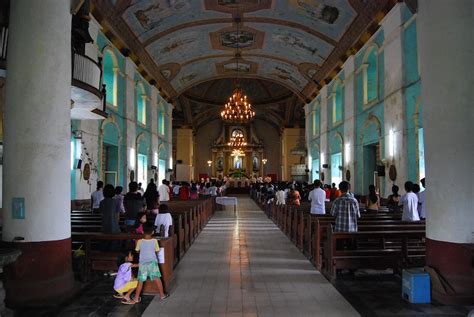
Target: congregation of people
345	206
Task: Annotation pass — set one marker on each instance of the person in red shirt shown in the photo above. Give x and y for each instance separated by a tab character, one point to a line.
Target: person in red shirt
184	192
327	191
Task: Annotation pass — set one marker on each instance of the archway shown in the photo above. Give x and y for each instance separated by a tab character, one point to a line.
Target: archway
110	161
370	140
142	159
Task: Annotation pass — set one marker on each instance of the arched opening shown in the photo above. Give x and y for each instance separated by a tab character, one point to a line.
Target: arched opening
162	157
371	151
161	121
110	74
110	154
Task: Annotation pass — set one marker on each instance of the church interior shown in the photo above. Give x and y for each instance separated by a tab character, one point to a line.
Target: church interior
227	116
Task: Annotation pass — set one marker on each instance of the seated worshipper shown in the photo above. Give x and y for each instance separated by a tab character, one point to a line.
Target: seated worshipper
346	210
409	202
317	197
108	210
394	200
133	203
119	197
280	195
152	199
164	191
373	201
163	218
97	196
422	201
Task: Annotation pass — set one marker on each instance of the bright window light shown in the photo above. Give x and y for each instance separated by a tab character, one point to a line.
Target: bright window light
391	143
72	155
132	158
322	158
155	159
347	153
171	162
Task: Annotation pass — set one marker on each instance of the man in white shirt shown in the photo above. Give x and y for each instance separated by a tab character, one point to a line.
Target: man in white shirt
164	191
97	197
422	201
317	197
409	202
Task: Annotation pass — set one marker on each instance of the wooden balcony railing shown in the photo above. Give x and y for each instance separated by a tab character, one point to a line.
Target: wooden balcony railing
86	74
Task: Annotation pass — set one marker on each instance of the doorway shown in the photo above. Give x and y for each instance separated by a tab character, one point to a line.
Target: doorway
370	165
111	164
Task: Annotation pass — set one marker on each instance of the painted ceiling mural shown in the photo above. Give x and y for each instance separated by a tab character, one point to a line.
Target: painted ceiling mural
293	43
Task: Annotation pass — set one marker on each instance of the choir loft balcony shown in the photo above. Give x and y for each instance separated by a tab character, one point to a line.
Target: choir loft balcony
87	95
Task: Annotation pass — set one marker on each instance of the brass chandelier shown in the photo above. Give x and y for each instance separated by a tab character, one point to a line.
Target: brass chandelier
238	109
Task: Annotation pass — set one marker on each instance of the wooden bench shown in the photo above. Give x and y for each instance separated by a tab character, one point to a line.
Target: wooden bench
96	260
373	256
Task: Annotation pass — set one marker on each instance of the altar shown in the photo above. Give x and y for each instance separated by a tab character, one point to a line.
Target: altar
238	164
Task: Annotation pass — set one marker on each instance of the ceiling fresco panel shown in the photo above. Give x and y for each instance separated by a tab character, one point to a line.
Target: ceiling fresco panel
147	18
331	18
183	46
291	44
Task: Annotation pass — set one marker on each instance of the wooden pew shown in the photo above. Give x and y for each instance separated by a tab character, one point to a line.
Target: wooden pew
372	257
96	260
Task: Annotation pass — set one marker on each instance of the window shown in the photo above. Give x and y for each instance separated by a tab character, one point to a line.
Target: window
142	169
141	104
336	168
421	154
110	74
161	123
315	170
370	76
337	103
161	170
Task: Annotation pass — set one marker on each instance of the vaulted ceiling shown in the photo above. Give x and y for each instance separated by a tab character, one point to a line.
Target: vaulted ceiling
297	44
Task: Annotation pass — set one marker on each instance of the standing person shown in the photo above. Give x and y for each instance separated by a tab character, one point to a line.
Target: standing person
140	222
317	197
184	192
327	190
213	189
97	196
294	197
422	202
164	218
334	192
140	189
147	264
119	197
109	211
152	198
394	200
176	187
164	191
346	210
133	203
409	202
193	192
373	201
416	190
280	196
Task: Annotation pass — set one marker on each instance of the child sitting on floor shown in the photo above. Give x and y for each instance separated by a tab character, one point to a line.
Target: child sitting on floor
148	263
124	283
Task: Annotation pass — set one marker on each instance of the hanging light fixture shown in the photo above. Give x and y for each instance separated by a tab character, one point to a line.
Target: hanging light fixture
238	109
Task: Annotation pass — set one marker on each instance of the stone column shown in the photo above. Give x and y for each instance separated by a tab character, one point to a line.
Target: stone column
348	147
37	153
323	141
184	153
446	45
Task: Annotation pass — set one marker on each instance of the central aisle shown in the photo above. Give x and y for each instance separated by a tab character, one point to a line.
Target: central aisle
244	265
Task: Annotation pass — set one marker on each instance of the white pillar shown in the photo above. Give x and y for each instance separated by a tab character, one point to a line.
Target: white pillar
394	104
37	150
323	141
446	47
348	147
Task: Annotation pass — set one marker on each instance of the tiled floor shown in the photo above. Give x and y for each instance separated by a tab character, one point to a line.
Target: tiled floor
244	265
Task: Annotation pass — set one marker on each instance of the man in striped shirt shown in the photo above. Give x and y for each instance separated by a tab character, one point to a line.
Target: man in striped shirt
346	210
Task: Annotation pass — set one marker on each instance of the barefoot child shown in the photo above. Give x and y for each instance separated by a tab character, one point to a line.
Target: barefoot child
148	263
124	281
